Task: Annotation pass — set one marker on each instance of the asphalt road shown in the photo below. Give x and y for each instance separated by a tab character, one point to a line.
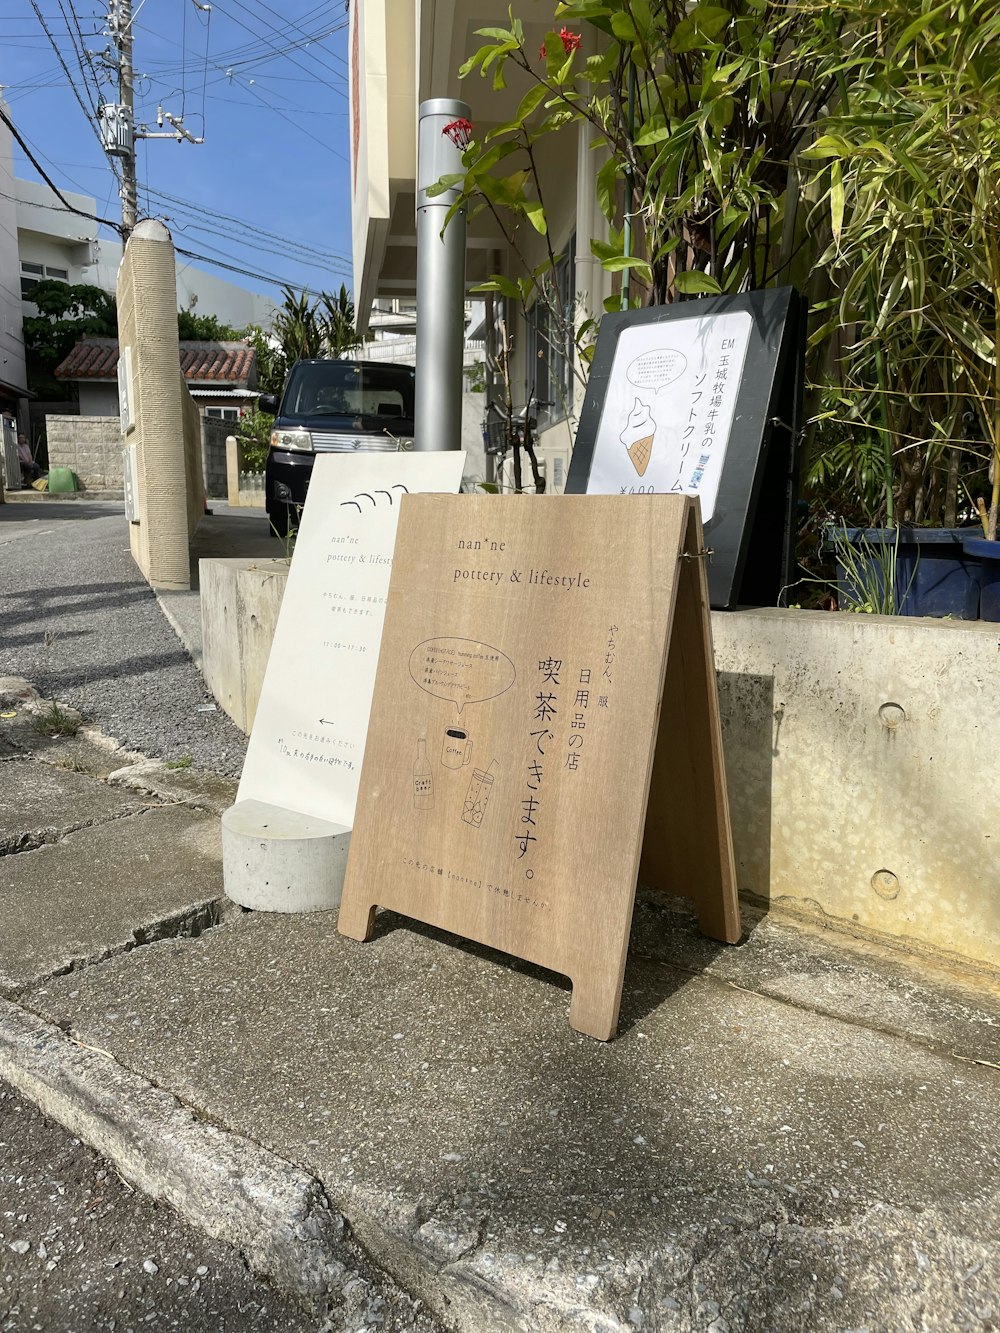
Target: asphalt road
82	1252
78	620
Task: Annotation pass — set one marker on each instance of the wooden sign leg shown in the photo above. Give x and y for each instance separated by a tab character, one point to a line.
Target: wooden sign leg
593	1008
356	919
688	846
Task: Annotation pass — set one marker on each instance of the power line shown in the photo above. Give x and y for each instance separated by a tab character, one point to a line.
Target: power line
115	226
193	225
277	31
80	50
252	53
264	5
65	68
247	272
213	213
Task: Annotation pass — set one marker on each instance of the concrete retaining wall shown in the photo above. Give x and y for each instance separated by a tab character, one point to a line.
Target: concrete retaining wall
91	446
240	600
861	756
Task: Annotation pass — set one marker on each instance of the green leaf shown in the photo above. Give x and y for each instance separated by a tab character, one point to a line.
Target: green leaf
529	101
622	26
499	283
827	145
473	61
445	183
607	187
631	262
495	153
693	283
655	130
698	31
604	252
535	214
918	26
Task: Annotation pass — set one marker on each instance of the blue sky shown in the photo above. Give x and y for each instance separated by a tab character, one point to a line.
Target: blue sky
265	82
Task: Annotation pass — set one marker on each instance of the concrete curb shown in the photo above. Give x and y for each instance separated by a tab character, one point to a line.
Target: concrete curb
189	642
275	1214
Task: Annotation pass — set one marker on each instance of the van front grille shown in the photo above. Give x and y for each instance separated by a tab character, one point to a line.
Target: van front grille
334	442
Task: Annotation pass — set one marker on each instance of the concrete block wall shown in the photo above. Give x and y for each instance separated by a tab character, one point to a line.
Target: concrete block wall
91	446
167	433
213	456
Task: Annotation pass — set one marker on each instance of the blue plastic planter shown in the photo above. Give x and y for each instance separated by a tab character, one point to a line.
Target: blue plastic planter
934	574
988	555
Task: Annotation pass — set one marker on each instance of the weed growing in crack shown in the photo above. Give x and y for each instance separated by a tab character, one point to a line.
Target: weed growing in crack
70	765
57	722
185	761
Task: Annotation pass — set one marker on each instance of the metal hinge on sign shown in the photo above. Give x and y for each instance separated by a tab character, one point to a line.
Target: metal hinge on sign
705	553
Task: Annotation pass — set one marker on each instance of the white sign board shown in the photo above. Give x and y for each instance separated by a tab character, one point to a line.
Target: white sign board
309	732
669	407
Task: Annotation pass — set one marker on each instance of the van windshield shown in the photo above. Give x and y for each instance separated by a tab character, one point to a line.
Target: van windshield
349	389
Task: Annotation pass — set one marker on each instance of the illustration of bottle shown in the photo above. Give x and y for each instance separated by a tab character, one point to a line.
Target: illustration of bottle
637	437
423	783
477	797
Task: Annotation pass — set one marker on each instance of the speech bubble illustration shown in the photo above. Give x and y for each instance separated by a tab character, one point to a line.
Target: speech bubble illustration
656	370
463	671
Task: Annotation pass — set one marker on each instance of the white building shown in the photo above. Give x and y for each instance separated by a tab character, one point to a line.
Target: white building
41	238
55	243
13	383
402	54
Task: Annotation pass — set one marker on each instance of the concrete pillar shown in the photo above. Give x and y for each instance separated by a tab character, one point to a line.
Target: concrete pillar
232	469
147	333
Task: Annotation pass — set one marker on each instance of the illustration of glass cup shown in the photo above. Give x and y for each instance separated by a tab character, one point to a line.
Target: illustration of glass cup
477	797
457	749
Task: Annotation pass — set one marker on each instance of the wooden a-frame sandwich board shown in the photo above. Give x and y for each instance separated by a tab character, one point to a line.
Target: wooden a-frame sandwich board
545	712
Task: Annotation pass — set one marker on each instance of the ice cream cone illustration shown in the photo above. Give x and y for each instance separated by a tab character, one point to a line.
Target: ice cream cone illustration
637	437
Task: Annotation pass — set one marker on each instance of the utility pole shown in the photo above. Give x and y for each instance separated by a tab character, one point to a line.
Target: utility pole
126	97
119	132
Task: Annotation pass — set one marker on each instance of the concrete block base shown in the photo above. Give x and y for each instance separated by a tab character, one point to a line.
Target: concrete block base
278	860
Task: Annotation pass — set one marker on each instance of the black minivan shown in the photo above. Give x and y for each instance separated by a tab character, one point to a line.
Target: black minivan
331	407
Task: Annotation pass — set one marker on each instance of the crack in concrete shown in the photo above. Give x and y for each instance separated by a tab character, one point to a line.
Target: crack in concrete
925	1044
35	839
188	923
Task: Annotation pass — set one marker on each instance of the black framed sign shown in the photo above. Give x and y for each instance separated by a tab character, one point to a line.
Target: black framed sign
704	398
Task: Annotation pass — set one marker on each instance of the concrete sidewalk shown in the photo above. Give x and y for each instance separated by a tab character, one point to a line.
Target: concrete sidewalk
798	1133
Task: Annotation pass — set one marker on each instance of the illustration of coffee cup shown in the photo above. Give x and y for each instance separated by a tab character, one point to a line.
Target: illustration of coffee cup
457	749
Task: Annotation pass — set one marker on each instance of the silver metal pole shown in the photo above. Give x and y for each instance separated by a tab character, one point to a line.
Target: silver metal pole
440	282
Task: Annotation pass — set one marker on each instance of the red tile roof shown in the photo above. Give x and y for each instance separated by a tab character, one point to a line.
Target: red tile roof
232	364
